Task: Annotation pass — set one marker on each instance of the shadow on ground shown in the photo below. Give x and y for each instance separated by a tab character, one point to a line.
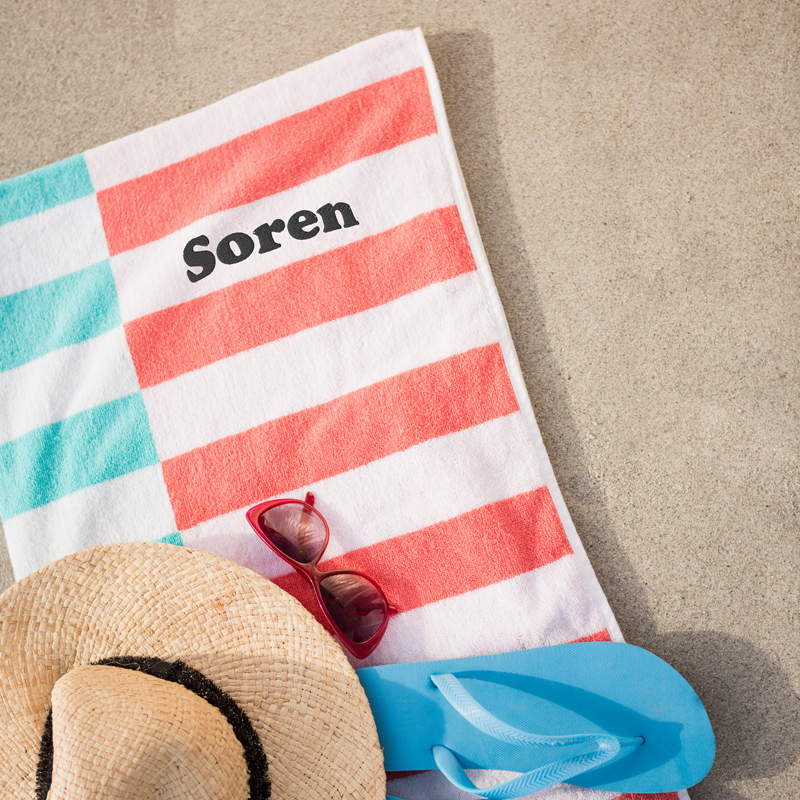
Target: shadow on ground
749	699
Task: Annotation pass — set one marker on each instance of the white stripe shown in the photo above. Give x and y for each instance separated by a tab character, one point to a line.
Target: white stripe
253	108
318	365
132	508
383	190
549	605
404	492
64	382
51	244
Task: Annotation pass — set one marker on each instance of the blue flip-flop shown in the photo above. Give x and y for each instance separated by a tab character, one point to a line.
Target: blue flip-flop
603	715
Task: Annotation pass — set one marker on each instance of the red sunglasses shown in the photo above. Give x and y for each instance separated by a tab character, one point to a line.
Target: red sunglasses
353	604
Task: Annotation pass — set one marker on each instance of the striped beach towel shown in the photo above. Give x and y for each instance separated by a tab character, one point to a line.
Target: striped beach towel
286	291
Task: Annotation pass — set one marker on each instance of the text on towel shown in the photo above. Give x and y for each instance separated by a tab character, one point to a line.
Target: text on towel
238	246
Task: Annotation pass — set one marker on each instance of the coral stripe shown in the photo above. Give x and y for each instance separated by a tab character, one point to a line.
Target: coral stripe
269	160
662	796
599	636
482	547
355	429
427	249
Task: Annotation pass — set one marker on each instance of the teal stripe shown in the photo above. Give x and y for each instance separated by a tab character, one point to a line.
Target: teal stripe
172	538
44	188
90	447
62	312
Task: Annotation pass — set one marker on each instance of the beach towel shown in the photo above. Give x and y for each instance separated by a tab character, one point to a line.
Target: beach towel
281	292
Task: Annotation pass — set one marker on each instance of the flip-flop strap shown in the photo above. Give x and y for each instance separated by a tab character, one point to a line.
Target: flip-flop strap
522	785
547	775
479	717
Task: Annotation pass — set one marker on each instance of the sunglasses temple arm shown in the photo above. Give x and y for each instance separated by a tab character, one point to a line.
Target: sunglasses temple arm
303	531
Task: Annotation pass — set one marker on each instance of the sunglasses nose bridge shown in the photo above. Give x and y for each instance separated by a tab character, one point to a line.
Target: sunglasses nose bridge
310	572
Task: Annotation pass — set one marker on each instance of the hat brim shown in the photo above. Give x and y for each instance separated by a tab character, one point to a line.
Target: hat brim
252	639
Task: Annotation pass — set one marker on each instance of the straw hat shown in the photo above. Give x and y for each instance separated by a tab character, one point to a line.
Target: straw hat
153	671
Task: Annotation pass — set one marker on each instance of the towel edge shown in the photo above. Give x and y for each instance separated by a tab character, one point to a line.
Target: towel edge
467	215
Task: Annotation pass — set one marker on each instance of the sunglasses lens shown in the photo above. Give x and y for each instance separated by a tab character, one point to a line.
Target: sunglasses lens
355	604
295	529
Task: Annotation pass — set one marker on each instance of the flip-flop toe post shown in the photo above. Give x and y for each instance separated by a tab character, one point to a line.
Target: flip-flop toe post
602	715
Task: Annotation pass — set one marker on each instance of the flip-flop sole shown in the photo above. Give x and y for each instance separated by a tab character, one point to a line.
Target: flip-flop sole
588	687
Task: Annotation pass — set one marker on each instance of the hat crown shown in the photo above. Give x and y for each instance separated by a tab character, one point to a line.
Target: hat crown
121	734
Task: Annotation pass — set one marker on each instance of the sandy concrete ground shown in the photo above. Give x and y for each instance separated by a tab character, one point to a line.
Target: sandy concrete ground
634	171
